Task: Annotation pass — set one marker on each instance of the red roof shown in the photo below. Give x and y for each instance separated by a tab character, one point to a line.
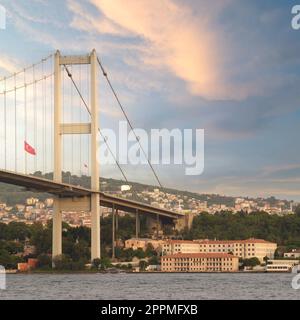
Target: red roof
181	241
251	240
199	255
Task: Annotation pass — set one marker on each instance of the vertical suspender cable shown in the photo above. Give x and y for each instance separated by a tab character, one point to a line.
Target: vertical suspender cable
5	126
45	121
72	136
80	136
25	116
34	117
52	108
15	106
43	116
89	101
63	118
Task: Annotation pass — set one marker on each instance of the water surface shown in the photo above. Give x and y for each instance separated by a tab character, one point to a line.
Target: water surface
150	286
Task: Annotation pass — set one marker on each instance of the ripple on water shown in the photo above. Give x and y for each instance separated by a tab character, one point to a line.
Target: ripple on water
150	286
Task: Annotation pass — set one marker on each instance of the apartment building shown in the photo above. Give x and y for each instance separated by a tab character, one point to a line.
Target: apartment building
244	249
199	262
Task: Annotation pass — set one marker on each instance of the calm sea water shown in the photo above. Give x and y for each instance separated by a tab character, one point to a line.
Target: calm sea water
150	286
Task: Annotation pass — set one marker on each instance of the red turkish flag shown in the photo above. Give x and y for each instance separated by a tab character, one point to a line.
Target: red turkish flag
28	148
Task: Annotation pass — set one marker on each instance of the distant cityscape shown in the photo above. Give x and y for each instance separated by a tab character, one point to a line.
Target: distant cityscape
39	208
158	250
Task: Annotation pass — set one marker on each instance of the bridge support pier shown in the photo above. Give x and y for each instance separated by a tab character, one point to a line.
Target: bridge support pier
57	229
113	255
137	223
117	222
95	226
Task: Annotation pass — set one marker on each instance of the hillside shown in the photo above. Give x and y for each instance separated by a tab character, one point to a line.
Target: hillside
13	195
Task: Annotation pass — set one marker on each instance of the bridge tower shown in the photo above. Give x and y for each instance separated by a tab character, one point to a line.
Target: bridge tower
92	202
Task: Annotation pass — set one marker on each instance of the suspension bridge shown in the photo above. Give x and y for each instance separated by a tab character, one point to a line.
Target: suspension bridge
49	113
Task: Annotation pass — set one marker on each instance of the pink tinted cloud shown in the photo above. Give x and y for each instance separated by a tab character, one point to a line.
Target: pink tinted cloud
174	39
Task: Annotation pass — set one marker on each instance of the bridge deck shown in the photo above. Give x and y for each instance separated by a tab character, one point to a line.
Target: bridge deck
33	183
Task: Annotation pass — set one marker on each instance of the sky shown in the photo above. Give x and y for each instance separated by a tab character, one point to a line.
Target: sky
229	67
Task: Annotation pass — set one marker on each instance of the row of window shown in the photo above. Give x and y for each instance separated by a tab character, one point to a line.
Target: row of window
196	269
195	264
196	259
232	246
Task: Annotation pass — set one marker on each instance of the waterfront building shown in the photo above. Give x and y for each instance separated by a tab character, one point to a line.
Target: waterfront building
281	265
295	253
199	262
244	249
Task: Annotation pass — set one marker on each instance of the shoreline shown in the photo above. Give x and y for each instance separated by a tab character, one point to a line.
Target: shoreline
39	272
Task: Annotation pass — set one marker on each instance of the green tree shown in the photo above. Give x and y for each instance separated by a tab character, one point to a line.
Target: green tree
297	211
251	262
96	263
44	261
143	265
154	260
149	252
17	231
266	258
41	238
105	263
62	262
139	253
9	261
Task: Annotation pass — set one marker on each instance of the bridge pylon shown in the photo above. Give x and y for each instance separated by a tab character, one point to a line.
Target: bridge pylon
88	203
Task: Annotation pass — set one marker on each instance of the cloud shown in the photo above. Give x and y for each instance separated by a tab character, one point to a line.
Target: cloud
85	21
199	43
33	18
277	169
170	37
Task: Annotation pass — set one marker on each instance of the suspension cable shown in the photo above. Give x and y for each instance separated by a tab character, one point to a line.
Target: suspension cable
45	121
5	126
34	118
25	116
43	112
26	68
89	111
80	116
72	136
28	84
15	106
127	119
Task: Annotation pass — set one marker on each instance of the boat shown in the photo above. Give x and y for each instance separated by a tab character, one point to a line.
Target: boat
9	271
279	268
114	270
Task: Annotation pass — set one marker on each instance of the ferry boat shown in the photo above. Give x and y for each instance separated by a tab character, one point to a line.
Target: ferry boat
282	265
13	271
279	268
